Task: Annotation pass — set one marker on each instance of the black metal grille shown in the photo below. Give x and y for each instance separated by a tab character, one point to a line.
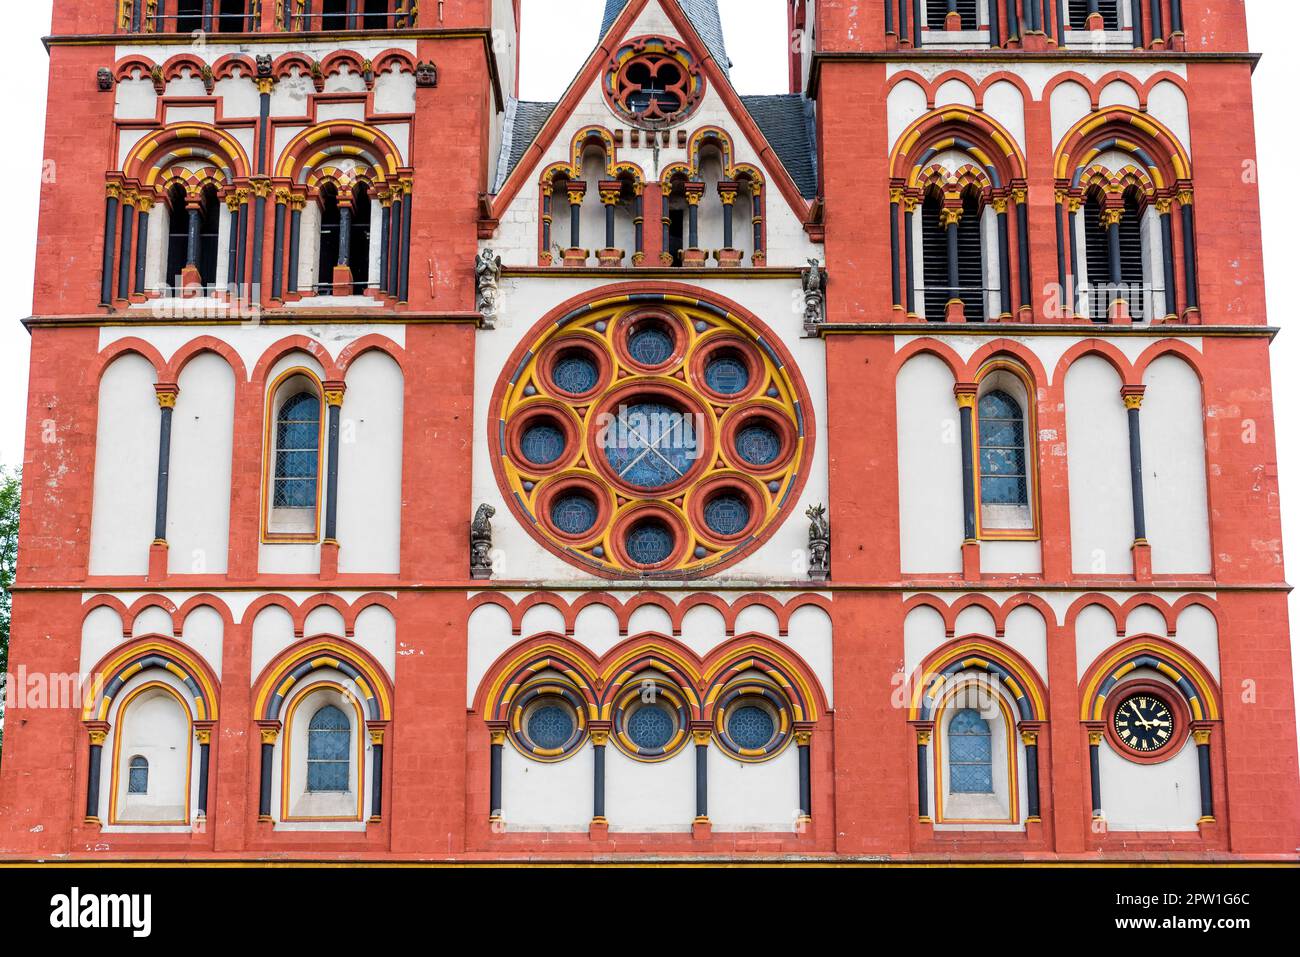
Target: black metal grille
1109	10
970	261
936	14
1130	284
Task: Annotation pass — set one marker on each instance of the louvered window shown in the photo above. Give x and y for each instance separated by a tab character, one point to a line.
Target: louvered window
1130	284
936	13
934	255
1109	10
970	260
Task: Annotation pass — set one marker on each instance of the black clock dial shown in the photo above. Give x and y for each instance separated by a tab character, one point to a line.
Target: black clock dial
1144	723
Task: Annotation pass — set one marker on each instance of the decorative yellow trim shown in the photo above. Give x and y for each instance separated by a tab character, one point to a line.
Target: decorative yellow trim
286	764
117	754
940	775
268	458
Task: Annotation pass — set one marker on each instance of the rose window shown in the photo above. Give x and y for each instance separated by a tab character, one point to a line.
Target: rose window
653	81
651	435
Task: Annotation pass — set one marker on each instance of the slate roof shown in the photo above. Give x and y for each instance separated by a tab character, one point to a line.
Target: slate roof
788	124
703	15
524	120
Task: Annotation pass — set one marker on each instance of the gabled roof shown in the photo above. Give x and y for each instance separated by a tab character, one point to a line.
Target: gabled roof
703	15
790	128
524	120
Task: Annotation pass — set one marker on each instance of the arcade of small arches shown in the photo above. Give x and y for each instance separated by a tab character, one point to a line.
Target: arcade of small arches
245	16
338	204
709	208
1119	174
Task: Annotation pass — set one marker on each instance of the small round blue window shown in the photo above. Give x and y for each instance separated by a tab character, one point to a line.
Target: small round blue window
726	514
574	513
575	373
550	726
650	444
726	375
650	344
758	444
751	727
542	444
651	727
649	542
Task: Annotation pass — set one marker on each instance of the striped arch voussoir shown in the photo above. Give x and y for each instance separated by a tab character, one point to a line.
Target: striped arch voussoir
1186	673
112	674
299	662
977	654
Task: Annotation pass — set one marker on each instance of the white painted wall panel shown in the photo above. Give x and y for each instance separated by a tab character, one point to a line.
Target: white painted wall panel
1101	496
1173	469
198	502
929	467
370	466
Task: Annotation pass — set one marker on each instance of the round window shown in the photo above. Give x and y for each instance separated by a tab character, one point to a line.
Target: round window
649	542
542	444
726	514
751	727
726	374
550	724
574	513
758	445
575	372
650	444
651	726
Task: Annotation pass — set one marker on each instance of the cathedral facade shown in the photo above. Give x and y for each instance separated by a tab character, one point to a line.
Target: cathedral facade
883	469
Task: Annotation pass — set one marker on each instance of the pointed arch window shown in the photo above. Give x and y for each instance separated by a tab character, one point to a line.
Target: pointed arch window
1005	453
294	443
970	753
329	741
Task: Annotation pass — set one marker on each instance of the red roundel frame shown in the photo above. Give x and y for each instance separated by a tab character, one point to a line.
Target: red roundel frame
654	64
705	321
1166	693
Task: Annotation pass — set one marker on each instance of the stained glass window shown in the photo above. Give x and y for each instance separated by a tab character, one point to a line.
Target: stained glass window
573	513
297	452
138	780
758	445
550	726
651	445
575	373
1002	451
726	375
328	739
542	444
726	514
649	543
970	754
651	727
751	727
650	344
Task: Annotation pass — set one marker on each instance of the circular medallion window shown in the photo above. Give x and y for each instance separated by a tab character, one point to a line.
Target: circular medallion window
650	435
753	720
651	720
547	720
653	81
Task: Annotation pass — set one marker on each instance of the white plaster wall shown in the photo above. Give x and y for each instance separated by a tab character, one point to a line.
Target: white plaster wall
1173	468
811	636
1198	632
370	466
101	631
323	620
488	636
645	797
923	632
1094	632
906	103
198	501
703	628
272	633
1026	632
929	467
1151	797
376	632
153	620
126	462
204	630
1101	498
536	796
753	797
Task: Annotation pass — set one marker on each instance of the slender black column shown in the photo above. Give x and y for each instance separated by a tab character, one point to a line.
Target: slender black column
1062	277
259	230
575	219
995	26
141	246
1189	255
404	258
92	779
110	244
909	257
268	759
1072	224
1094	767
1157	23
124	256
895	284
756	198
954	269
1167	258
333	396
167	404
693	223
205	746
192	237
377	780
598	777
277	259
1045	16
609	225
1060	23
728	212
395	249
1094	6
1175	16
1133	403
916	23
1013	20
1031	16
345	235
352	14
922	775
1207	785
903	34
494	786
1113	249
241	241
295	241
701	779
804	740
385	217
1004	257
638	222
1139	31
889	17
1022	246
264	86
966	406
1031	774
667	241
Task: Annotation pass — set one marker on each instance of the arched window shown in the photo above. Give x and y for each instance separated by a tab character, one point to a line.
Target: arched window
936	13
376	15
192	239
330	222
329	739
189	16
1106	249
232	16
941	285
297	452
1003	476
177	237
138	782
209	235
970	754
1109	10
334	14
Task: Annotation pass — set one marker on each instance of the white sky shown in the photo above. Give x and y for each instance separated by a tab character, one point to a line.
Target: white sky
552	50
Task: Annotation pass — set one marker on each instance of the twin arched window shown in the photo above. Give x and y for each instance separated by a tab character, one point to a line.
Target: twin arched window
192	237
329	741
345	237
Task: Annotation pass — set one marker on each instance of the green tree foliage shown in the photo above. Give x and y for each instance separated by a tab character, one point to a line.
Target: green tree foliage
9	493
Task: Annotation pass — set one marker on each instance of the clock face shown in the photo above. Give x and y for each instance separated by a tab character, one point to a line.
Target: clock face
1144	723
